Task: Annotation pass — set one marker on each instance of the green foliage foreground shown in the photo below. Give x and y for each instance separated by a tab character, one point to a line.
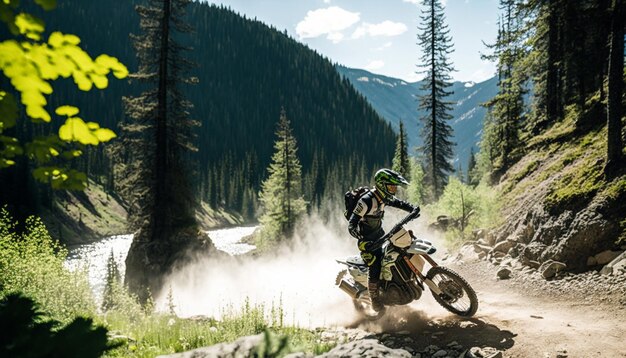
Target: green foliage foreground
33	265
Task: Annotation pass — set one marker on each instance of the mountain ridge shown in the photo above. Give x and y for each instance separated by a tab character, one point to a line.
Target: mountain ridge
395	100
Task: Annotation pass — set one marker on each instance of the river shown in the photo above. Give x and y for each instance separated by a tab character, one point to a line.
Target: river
94	256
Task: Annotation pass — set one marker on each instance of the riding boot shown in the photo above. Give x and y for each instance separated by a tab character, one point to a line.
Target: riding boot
377	304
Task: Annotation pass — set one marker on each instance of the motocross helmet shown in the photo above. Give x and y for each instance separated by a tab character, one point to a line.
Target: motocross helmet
387	181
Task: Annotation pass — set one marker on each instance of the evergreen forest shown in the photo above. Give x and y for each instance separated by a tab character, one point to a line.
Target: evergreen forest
245	72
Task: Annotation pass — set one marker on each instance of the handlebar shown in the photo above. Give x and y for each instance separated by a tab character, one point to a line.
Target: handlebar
412	216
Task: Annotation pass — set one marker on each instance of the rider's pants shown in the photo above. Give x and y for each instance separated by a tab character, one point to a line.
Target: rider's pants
372	257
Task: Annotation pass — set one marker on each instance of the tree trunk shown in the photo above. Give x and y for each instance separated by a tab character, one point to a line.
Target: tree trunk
615	89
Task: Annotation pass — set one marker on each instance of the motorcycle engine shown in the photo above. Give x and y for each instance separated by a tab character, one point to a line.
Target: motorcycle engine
393	294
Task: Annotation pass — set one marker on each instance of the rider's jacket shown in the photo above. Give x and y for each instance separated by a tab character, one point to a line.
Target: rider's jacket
367	216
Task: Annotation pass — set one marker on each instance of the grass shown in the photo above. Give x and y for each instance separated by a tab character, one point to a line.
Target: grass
33	264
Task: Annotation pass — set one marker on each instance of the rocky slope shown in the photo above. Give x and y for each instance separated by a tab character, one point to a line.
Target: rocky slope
558	206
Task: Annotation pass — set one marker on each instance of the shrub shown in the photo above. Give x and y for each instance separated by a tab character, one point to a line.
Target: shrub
33	263
459	199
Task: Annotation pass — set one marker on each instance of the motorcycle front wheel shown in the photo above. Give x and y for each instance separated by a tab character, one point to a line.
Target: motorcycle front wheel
457	296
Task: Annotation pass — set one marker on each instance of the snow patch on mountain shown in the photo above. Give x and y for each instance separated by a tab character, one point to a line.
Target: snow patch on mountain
383	82
363	79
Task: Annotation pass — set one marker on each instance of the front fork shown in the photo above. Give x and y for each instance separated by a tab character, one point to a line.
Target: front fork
433	287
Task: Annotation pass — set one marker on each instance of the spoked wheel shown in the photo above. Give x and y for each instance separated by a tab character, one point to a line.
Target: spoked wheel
457	296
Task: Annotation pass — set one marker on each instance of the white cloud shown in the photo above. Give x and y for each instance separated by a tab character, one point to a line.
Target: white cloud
384	46
385	28
335	37
375	65
330	21
326	1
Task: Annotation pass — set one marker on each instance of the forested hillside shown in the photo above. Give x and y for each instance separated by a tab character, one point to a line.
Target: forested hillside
246	72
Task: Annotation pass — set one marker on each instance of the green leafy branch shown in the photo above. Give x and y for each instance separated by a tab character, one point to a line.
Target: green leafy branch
31	65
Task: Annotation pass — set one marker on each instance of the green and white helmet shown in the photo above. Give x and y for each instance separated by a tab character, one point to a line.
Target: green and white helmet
384	178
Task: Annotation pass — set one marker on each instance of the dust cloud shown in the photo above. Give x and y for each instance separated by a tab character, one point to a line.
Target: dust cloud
300	277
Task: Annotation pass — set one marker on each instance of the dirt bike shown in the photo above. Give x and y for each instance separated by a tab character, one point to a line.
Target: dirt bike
402	275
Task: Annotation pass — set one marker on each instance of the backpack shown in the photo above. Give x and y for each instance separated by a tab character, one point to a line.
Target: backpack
351	198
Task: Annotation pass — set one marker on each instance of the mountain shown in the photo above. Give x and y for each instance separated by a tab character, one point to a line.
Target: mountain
396	101
247	71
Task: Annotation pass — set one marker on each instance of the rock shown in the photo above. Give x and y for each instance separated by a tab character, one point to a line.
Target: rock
504	246
534	264
242	347
617	266
440	353
504	273
591	261
550	268
607	256
367	348
486	352
479	234
469	253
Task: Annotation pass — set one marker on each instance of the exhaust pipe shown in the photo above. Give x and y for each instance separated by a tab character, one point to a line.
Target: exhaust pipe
353	290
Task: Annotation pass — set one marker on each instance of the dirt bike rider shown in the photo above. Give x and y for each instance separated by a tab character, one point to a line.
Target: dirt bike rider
365	224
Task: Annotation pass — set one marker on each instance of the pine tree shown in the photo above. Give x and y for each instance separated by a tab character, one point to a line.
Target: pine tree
436	44
155	145
112	282
507	107
472	175
281	195
401	157
615	89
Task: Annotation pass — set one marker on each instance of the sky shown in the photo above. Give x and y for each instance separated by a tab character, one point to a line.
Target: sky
380	35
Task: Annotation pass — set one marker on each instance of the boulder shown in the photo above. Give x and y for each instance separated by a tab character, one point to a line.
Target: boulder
504	246
550	268
479	234
591	261
242	347
607	256
367	348
486	352
470	253
504	273
490	238
617	266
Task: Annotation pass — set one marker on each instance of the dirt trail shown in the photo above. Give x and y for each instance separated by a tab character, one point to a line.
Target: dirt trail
520	321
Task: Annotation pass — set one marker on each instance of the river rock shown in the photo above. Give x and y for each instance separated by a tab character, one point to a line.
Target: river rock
550	268
367	348
607	256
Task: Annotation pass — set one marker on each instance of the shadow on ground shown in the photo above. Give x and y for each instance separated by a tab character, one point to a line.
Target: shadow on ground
439	331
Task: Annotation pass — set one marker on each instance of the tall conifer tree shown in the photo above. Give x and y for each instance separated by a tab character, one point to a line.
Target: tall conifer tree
615	91
507	107
401	162
155	145
436	44
281	194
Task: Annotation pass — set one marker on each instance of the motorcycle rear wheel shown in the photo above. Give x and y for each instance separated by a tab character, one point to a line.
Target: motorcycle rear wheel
457	295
